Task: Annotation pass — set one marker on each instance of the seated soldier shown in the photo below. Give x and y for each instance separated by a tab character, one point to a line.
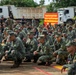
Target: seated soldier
31	46
71	48
61	53
43	54
16	51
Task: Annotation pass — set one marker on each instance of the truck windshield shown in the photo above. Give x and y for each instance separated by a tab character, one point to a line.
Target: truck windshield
60	10
66	11
0	10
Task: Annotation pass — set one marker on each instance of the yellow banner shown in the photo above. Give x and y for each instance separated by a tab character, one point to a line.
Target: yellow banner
51	18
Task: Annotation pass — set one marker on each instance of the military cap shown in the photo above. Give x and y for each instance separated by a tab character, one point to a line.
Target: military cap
9	31
44	32
63	33
55	32
30	32
6	28
70	27
16	29
12	33
40	37
17	26
71	43
58	35
44	29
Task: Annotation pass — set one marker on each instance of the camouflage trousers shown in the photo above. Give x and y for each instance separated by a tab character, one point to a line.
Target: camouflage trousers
14	55
44	58
71	71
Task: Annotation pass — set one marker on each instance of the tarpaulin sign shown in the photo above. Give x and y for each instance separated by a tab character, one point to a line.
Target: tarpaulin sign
51	18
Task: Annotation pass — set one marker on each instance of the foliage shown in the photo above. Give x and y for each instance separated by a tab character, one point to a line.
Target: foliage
60	4
19	3
51	8
74	18
65	3
41	22
42	2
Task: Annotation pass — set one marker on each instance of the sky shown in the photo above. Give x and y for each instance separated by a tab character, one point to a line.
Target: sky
46	1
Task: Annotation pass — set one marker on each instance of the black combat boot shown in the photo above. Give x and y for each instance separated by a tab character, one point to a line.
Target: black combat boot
48	63
42	63
15	65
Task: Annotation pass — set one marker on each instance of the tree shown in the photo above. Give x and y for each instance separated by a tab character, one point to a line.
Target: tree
42	2
52	7
60	4
65	3
19	3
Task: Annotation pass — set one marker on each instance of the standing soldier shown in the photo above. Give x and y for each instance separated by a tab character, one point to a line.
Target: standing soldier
71	48
33	22
9	23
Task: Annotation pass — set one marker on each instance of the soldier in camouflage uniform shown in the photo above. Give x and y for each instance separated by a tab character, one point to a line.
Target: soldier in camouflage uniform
31	46
70	33
64	37
9	23
44	52
58	42
71	48
1	52
47	37
22	34
1	37
33	22
60	53
16	51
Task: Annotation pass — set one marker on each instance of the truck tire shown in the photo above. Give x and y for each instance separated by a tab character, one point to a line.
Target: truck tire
70	21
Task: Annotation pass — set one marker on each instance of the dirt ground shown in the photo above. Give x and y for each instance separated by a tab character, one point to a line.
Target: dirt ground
28	69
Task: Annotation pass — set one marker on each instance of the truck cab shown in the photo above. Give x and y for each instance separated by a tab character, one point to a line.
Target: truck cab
8	10
66	14
4	12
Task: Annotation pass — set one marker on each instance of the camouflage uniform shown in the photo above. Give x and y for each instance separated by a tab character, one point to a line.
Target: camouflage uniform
60	53
22	35
47	37
44	51
58	45
33	22
71	60
1	51
70	34
16	51
9	23
31	46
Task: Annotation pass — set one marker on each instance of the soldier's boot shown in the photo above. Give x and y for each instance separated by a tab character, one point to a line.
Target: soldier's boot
41	63
48	63
19	61
15	65
61	62
28	59
58	61
35	59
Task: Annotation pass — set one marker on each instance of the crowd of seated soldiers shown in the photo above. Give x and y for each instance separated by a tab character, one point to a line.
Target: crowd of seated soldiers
34	37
